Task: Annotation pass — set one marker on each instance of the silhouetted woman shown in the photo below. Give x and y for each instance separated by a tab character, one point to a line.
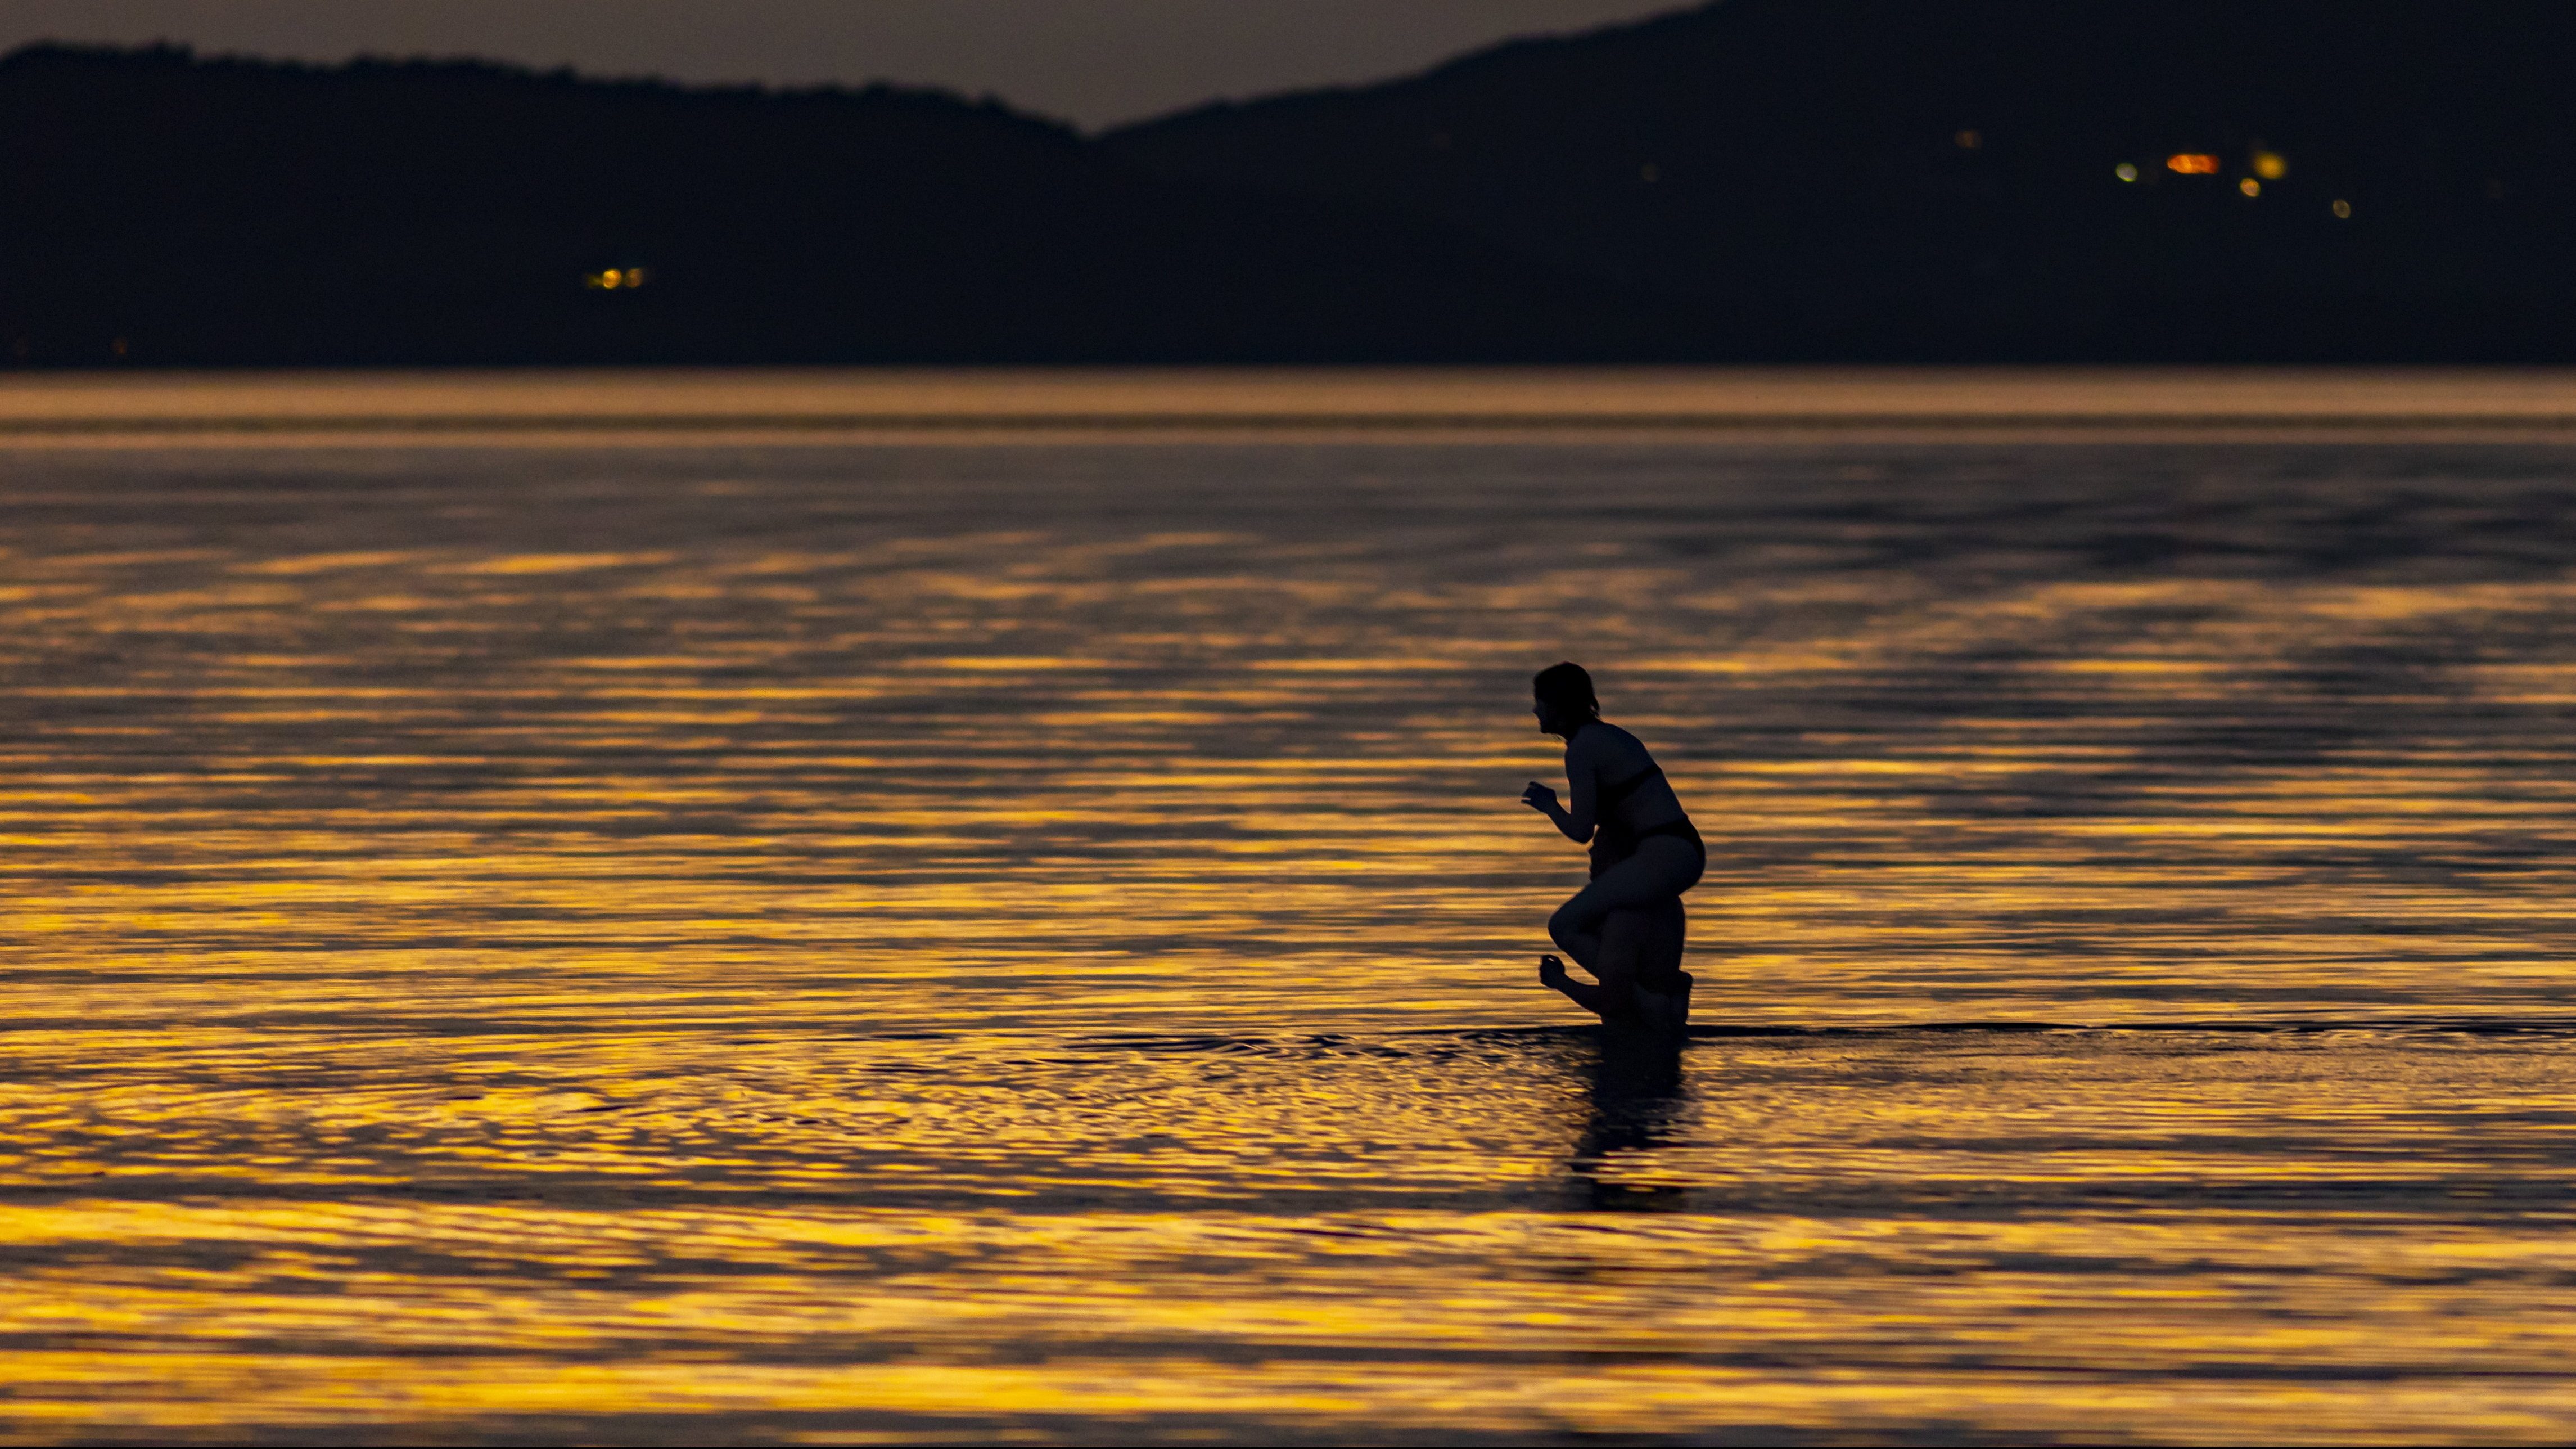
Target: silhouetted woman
1626	926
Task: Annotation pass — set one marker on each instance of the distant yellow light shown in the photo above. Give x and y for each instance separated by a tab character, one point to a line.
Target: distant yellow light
1969	140
2271	165
2125	171
2250	186
2192	163
2342	207
614	278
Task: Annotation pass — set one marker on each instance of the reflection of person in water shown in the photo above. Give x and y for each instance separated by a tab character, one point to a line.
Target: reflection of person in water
1637	1106
1626	926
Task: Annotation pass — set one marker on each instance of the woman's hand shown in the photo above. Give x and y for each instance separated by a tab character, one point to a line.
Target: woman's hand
1540	798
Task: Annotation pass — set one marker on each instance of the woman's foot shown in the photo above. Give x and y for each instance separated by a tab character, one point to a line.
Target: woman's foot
1594	999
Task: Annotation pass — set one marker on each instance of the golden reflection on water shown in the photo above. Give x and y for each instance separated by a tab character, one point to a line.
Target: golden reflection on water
678	943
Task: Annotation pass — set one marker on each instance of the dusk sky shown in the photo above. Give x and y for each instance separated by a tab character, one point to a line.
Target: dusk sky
1096	62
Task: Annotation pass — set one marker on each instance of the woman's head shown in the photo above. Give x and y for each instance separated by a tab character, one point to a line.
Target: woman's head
1565	702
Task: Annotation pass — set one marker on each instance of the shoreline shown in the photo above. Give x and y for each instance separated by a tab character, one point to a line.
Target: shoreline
1065	407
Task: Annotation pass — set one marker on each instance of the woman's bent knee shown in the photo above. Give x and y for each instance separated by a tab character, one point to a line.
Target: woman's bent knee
1564	928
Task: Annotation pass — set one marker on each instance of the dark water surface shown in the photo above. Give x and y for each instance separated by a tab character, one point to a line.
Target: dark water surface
669	943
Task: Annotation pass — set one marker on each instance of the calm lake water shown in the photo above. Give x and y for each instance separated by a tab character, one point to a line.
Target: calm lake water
710	940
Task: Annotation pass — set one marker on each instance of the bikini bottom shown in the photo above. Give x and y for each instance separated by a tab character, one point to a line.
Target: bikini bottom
1609	850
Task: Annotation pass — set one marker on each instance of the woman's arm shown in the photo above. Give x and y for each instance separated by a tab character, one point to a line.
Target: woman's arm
1576	824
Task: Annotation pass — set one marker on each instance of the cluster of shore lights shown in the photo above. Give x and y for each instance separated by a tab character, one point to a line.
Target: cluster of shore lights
2264	166
614	279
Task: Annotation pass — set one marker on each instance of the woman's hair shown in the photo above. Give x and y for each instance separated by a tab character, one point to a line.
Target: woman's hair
1567	690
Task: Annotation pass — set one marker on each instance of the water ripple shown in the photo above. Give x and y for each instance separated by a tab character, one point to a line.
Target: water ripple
661	944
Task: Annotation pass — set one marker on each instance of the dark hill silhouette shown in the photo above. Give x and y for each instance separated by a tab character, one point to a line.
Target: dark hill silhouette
171	210
1758	179
1898	179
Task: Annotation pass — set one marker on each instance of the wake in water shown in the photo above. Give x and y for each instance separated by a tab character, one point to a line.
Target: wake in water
1436	1040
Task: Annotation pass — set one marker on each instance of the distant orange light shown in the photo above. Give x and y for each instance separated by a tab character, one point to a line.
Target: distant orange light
2192	163
2271	165
1969	140
614	279
2342	207
2250	186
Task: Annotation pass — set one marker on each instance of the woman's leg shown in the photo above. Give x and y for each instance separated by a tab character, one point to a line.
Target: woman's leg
1618	950
1626	939
1661	870
1662	988
1551	974
1659	951
1626	924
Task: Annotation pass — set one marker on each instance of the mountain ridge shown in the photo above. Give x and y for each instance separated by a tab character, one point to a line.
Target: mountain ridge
1743	181
181	211
1879	181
